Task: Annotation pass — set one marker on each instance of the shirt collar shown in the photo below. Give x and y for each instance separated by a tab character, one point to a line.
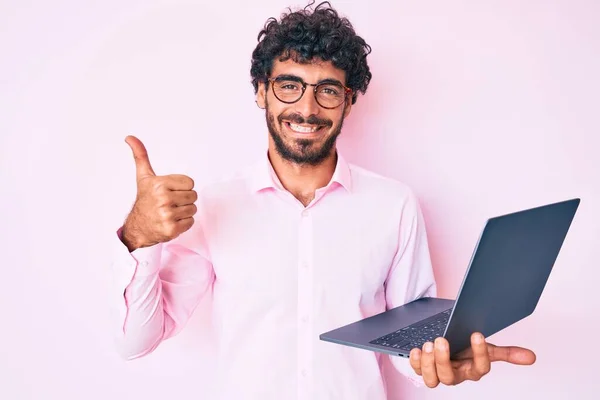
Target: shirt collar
264	177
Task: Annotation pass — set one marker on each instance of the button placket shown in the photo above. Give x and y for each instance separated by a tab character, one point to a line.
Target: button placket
305	289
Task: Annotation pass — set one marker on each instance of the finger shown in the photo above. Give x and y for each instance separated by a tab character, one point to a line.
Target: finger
185	224
178	182
415	360
183	197
140	155
184	212
442	362
511	354
428	370
481	360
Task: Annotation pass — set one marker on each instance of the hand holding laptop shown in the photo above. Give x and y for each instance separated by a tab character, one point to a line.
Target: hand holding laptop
434	365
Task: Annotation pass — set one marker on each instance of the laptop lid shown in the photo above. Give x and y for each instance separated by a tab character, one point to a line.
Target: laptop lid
508	271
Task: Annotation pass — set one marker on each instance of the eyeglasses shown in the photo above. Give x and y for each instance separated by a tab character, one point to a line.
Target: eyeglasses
289	90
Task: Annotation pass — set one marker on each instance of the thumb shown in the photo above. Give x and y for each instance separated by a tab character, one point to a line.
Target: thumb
512	354
140	155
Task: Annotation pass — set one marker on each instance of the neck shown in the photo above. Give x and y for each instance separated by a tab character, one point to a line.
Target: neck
302	181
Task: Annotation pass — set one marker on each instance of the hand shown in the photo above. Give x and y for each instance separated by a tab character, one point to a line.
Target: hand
434	365
164	206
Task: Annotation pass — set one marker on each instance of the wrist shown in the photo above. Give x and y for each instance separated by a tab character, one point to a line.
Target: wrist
130	239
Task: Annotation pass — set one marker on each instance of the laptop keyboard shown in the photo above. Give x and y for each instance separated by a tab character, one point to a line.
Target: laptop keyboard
416	334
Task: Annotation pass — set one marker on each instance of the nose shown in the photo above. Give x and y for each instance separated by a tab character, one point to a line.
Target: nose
308	105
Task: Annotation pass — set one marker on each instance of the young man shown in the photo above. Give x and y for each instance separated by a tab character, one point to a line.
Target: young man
296	245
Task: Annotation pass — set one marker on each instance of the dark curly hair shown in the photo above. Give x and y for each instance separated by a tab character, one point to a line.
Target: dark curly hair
304	35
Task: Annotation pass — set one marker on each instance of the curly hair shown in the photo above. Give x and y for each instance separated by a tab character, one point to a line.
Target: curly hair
303	36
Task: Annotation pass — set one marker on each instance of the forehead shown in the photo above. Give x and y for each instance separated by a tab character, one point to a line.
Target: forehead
311	72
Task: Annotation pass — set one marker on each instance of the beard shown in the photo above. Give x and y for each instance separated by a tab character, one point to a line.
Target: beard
302	151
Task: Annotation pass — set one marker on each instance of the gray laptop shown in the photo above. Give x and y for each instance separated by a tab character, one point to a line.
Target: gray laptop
503	284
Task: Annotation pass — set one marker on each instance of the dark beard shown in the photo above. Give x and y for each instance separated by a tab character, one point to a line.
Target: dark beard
305	155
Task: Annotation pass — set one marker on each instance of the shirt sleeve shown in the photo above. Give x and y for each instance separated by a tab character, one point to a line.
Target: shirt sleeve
157	288
411	274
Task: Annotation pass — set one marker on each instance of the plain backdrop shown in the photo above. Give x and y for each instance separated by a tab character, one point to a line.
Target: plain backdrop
482	107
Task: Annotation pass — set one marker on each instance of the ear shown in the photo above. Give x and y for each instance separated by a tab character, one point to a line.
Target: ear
348	106
261	95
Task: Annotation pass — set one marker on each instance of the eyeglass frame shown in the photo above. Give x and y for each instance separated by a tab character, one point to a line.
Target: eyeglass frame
299	80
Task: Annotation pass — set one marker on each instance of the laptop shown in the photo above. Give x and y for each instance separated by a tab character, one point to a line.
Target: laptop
505	278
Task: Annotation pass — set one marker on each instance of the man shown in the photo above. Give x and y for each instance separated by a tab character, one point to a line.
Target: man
298	244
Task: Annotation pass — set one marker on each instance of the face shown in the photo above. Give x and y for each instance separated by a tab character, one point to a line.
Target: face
303	132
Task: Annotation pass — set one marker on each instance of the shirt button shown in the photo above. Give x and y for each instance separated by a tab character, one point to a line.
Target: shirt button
144	263
305	213
304	319
304	373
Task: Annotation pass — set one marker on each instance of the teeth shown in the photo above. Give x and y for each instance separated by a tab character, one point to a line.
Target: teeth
303	129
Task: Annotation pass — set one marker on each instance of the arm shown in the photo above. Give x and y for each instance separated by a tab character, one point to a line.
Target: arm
411	273
157	288
162	268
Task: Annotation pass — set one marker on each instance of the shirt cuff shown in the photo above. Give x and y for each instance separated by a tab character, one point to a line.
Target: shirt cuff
143	261
127	266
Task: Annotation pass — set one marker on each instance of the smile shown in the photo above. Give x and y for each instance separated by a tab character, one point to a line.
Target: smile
303	128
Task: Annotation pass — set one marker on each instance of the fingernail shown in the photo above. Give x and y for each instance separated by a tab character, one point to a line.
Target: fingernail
478	338
428	347
440	344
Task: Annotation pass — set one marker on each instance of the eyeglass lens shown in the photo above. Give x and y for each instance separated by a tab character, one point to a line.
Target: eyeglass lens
328	95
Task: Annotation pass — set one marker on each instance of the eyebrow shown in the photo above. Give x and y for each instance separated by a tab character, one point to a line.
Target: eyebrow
295	78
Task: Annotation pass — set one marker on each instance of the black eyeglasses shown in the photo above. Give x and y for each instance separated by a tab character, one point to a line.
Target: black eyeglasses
290	89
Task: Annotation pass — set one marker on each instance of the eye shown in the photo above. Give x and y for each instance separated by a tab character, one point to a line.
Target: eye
288	85
330	90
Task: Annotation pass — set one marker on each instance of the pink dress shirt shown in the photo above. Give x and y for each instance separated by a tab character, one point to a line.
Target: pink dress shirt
280	274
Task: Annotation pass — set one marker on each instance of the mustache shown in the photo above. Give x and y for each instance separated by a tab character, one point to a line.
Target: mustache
299	119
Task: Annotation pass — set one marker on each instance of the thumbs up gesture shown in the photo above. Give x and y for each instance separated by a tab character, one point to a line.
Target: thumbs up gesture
164	205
